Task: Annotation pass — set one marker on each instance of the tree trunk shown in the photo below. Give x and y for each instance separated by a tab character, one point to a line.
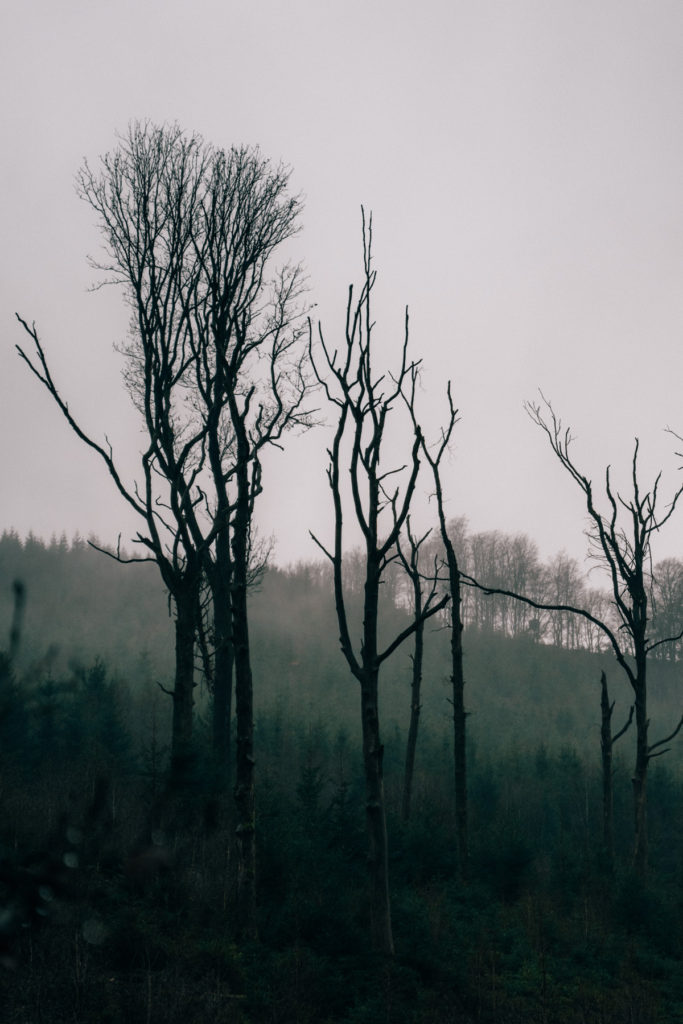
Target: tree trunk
244	710
222	703
220	573
607	795
224	664
378	851
640	780
459	718
415	708
373	751
460	767
183	690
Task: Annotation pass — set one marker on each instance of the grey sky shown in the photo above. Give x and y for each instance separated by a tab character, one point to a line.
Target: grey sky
524	162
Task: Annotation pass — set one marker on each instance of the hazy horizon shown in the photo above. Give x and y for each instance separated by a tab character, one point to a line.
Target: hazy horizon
523	165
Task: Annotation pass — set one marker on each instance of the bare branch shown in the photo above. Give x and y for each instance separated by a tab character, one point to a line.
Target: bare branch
667	739
621	732
549	607
117	556
410	629
324	550
46	379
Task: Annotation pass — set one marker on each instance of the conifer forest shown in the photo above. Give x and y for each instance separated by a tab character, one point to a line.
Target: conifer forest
421	775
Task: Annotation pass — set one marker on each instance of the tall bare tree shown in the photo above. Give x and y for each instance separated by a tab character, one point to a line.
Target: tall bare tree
434	459
621	538
365	402
250	373
146	197
215	366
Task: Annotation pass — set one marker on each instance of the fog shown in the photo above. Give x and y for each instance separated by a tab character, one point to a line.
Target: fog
523	165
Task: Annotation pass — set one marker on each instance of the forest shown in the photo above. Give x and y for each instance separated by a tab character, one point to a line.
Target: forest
116	899
427	778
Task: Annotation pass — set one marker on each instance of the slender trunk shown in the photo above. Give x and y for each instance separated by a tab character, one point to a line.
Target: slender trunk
459	715
224	663
373	753
415	706
244	710
220	574
222	703
460	762
183	690
457	683
607	795
640	776
378	850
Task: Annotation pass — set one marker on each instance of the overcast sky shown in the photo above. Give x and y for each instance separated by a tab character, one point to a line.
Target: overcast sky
523	160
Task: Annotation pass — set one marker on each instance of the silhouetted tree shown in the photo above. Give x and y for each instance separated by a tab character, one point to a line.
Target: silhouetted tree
434	460
215	367
625	552
250	381
147	194
364	402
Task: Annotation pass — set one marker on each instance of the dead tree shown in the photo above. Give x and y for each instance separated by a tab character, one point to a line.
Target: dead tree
250	382
434	459
621	540
364	402
146	194
214	366
162	501
607	741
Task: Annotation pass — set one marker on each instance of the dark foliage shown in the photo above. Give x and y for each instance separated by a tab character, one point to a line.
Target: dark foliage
116	895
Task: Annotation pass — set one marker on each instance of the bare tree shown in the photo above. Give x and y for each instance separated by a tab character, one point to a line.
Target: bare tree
621	539
215	363
146	197
250	382
667	603
245	381
484	562
563	584
434	460
364	402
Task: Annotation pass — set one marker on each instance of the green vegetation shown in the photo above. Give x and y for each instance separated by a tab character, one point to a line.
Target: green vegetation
115	892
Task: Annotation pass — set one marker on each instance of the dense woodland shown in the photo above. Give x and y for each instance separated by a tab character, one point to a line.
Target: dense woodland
83	606
432	779
116	895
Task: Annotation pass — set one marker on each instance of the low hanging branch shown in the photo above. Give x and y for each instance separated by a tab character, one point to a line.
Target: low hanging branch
667	739
39	368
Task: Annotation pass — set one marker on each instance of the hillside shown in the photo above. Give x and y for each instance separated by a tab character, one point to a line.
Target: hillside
114	889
